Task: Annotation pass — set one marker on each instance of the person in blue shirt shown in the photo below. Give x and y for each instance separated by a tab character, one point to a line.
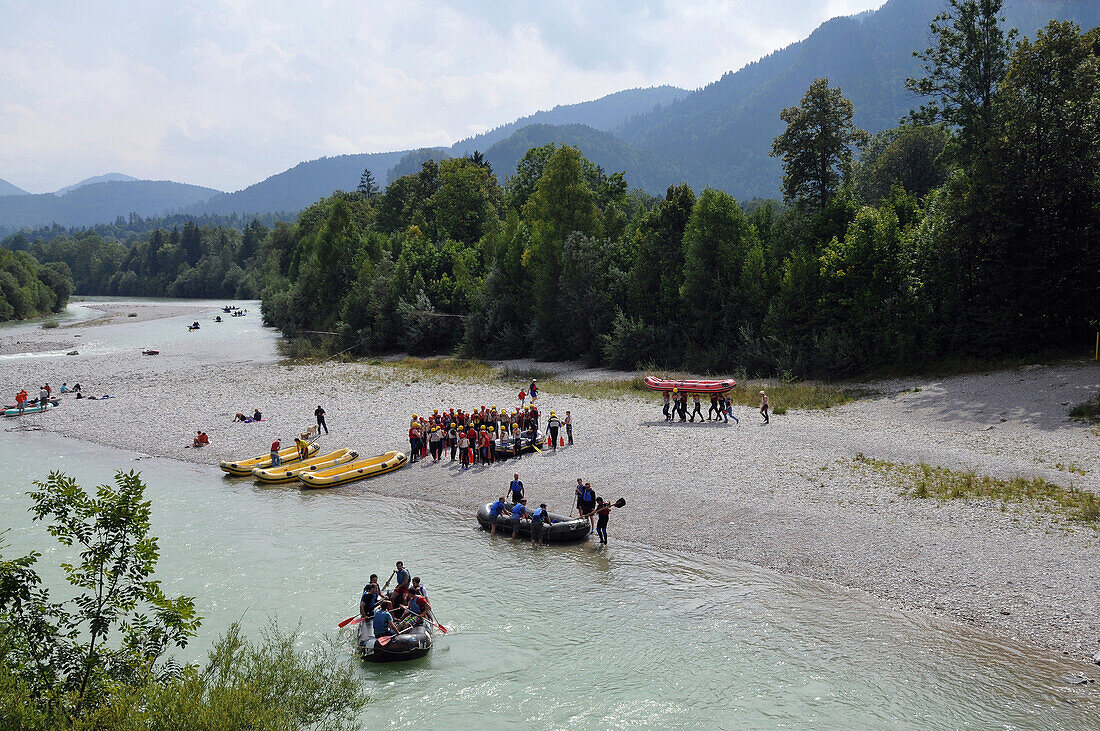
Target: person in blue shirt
587	502
519	512
383	621
539	520
403	576
371	594
495	510
516	487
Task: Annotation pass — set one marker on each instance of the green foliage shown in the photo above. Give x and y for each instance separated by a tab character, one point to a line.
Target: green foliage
1088	411
910	157
817	145
30	289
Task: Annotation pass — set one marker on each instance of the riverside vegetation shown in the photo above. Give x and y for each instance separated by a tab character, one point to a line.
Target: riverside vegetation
968	233
97	659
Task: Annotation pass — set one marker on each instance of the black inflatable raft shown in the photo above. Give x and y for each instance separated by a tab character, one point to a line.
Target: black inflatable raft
563	529
409	645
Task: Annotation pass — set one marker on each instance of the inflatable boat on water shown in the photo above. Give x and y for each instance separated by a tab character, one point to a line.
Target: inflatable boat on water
353	471
663	384
243	467
409	645
290	472
30	408
561	530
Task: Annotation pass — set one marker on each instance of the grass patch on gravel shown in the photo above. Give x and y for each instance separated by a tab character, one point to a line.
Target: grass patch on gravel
923	481
783	395
1088	411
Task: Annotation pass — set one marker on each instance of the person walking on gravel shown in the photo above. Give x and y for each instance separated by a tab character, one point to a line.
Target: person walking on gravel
320	414
764	407
697	407
569	428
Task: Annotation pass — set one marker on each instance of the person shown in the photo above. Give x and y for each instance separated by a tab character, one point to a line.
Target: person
452	440
603	510
276	460
303	447
568	428
414	442
256	415
494	511
402	575
522	398
320	414
579	496
764	406
588	501
21	400
483	442
435	443
416	588
76	390
516	488
728	406
519	512
517	441
200	440
533	391
383	620
49	391
218	318
65	387
43	397
713	408
464	450
505	450
665	397
696	407
539	519
239	417
371	595
552	426
418	607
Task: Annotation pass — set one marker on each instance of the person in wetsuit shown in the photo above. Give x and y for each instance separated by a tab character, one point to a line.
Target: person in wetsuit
320	414
603	511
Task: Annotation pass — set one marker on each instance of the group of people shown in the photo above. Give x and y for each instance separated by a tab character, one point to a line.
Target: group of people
201	439
676	405
398	610
45	395
589	505
484	435
244	418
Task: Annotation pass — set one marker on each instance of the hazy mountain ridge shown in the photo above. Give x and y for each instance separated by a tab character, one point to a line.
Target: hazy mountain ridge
106	178
100	202
7	188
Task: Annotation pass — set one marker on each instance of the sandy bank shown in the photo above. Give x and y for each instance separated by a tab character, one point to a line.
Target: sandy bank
785	496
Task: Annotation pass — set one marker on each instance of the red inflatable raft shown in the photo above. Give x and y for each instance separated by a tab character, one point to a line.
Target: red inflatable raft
664	384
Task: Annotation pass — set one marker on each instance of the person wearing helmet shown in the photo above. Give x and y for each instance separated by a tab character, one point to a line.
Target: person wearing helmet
452	439
533	390
414	442
552	426
435	443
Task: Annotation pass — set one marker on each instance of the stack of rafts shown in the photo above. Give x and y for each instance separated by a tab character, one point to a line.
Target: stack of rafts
317	470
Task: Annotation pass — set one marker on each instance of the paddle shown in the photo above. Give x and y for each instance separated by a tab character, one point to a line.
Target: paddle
351	620
434	623
383	641
389	580
620	503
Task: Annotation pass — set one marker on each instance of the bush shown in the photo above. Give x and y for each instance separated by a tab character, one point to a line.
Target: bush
49	325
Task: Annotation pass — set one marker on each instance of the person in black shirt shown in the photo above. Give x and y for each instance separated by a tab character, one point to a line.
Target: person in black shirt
320	414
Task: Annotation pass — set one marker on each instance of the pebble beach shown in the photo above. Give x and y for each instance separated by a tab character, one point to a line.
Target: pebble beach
789	496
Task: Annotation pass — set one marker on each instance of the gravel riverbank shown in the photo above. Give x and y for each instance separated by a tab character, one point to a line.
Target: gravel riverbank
787	496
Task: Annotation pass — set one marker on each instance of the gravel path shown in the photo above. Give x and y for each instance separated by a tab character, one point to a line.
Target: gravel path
786	496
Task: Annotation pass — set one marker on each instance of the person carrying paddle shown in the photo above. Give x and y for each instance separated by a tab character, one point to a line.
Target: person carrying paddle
603	510
383	621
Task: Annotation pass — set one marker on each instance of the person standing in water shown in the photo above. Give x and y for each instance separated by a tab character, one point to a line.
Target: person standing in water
602	512
320	414
764	406
539	519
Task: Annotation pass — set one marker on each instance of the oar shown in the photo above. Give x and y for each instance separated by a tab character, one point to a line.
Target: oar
383	641
620	503
351	620
433	622
389	580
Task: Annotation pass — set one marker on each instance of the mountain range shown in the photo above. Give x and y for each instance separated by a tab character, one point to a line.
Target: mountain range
719	135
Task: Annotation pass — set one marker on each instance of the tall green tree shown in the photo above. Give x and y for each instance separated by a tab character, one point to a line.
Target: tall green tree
816	148
962	72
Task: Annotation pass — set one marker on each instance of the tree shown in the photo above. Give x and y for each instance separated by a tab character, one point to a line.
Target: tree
659	267
911	157
367	186
191	243
816	147
478	159
962	71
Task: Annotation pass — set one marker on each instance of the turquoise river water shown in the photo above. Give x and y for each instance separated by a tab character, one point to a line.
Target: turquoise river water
564	637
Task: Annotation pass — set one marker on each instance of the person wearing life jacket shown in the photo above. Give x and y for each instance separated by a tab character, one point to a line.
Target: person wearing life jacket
383	620
276	459
539	520
471	435
664	409
371	595
200	440
588	502
452	440
516	488
696	407
483	443
414	442
464	450
519	512
552	426
419	606
495	511
21	400
533	390
402	575
535	420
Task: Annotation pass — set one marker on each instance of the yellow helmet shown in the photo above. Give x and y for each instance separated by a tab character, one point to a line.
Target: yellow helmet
676	390
452	425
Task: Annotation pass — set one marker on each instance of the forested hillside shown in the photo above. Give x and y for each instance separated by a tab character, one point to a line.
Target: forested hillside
30	289
99	202
7	188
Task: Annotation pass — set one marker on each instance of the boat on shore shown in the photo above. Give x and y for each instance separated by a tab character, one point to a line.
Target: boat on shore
290	472
30	408
562	529
689	386
243	467
352	471
411	644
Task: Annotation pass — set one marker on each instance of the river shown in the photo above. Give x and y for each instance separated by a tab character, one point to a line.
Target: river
580	637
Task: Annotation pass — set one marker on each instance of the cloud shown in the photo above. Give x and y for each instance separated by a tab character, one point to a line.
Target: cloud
227	92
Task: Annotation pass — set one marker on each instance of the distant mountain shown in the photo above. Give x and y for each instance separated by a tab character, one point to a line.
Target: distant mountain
7	188
99	203
722	133
108	178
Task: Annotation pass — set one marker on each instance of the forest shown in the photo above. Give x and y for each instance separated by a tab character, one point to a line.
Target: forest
967	232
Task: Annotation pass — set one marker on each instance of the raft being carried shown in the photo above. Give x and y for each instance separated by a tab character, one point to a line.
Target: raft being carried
353	471
409	645
697	386
560	530
243	467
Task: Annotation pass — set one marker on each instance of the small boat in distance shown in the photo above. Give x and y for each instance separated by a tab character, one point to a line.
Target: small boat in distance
150	352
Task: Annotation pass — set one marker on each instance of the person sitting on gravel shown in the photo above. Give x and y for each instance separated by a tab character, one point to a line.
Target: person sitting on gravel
200	440
239	417
256	415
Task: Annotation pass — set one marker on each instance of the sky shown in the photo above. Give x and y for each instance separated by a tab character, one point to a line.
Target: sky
225	93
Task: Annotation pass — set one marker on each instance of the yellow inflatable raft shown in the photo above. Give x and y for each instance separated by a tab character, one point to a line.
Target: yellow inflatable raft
290	472
353	471
243	467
